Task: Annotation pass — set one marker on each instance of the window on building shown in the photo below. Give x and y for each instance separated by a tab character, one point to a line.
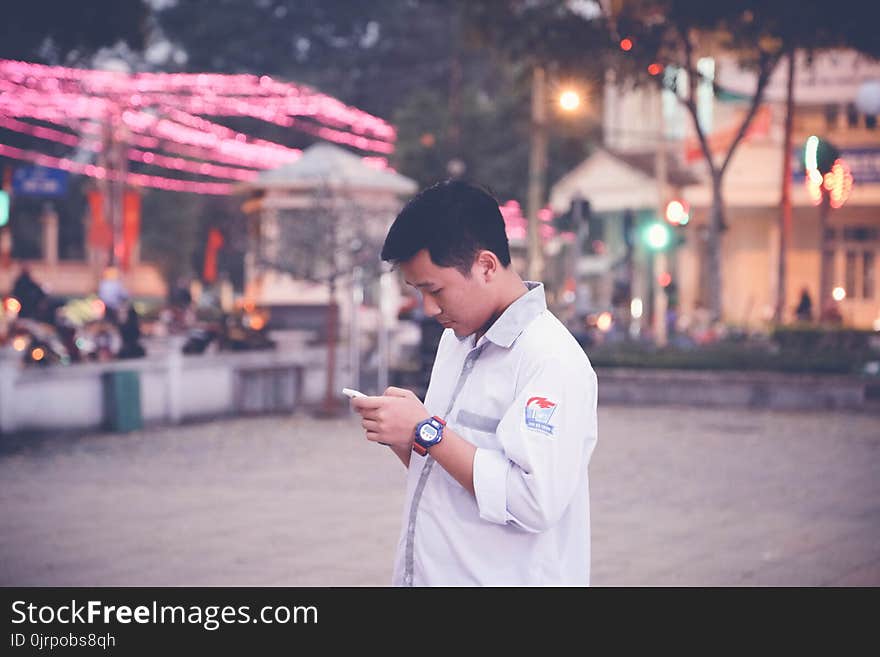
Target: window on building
850	278
832	111
828	264
871	121
860	234
857	253
852	116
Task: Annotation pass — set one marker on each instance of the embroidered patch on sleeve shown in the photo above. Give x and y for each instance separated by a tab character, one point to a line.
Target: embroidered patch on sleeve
539	410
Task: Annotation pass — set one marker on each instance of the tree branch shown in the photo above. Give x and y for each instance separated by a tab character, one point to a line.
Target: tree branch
690	102
768	64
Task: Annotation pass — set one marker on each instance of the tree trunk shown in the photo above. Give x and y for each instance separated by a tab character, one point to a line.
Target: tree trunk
713	248
785	214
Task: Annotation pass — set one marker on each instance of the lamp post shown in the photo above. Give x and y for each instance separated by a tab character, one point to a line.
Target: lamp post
569	101
537	172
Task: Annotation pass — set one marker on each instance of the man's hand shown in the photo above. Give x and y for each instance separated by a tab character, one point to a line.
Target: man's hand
391	418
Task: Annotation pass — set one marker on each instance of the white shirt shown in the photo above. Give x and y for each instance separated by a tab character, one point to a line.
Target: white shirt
525	395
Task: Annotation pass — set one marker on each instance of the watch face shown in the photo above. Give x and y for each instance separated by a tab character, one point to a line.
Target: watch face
428	433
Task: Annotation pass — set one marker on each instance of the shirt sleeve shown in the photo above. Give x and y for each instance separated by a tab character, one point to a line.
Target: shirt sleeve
547	438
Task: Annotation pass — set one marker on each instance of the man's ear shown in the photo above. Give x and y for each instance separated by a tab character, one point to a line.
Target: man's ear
487	265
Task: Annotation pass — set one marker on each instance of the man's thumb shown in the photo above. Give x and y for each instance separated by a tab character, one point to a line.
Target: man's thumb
398	392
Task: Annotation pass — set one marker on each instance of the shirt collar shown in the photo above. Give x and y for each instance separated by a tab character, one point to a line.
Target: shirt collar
517	316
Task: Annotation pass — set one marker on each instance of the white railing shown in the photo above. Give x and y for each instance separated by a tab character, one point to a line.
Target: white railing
173	387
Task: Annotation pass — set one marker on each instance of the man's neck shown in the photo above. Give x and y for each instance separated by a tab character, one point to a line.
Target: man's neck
516	289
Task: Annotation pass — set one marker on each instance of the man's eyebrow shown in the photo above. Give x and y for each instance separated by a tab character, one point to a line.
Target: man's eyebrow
419	284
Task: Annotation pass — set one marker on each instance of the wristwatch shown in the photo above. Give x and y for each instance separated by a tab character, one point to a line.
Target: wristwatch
428	433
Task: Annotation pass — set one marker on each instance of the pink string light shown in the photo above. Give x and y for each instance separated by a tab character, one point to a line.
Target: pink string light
231	138
134	154
194	152
159	111
200	92
181	164
93	171
39	131
517	225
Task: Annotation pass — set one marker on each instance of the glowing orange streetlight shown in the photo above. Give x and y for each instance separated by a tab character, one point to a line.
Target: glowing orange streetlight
569	100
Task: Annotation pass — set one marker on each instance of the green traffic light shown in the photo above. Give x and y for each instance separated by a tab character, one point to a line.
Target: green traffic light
657	236
4	208
819	154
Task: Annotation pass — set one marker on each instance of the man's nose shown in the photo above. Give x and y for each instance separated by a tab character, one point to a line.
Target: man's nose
430	306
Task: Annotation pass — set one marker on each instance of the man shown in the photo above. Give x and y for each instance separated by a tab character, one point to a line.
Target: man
497	456
30	295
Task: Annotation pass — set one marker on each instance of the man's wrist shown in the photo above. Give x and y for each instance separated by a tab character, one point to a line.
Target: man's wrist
427	433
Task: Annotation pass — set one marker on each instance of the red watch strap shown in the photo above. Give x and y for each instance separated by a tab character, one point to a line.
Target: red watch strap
440	420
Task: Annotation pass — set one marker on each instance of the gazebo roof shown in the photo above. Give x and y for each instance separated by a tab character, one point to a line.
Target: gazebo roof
327	165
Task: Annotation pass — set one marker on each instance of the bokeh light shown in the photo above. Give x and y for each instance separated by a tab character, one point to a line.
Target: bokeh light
569	101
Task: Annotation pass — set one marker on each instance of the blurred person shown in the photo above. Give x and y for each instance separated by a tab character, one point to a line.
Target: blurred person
130	333
30	295
112	293
498	453
701	327
831	313
804	310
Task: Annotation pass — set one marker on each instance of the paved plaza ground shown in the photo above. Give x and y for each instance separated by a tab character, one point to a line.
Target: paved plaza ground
680	497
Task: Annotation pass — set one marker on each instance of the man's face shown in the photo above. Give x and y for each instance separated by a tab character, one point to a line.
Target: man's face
459	302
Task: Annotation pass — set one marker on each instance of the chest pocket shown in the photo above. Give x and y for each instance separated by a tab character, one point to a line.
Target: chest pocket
480	429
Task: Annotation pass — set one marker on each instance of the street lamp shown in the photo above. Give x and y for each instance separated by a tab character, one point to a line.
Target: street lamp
537	172
569	100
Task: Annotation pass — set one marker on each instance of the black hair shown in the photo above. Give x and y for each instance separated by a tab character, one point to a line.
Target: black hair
453	220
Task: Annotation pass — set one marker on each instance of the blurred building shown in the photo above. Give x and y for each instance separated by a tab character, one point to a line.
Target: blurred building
76	278
621	183
316	228
314	221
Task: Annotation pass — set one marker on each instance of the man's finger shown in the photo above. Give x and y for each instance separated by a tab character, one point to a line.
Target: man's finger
361	404
398	392
370	425
374	437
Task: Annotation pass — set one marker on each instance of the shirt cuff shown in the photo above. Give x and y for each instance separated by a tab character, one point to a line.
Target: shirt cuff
490	484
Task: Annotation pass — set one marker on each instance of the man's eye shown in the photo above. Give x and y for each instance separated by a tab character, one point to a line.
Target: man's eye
435	292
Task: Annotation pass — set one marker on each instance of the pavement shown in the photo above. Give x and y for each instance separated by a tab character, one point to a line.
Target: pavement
680	497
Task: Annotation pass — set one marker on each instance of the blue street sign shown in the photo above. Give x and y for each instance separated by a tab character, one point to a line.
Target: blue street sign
39	181
864	163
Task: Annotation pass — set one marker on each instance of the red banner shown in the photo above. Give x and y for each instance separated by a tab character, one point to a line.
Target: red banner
100	236
131	226
215	241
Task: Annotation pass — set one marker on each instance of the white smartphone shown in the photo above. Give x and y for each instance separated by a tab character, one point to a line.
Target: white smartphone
357	393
